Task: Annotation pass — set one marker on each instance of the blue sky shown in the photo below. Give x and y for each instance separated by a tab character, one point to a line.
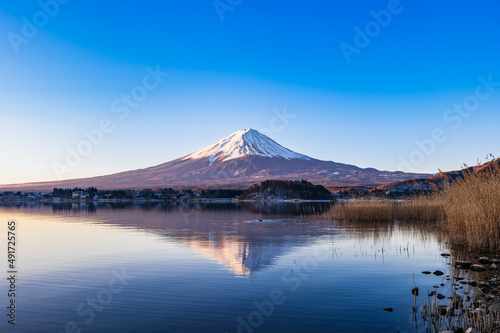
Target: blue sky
377	107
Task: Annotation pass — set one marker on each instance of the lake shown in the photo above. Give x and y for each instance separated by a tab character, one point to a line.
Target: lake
212	268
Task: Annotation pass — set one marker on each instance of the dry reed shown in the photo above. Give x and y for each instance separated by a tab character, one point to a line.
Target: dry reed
468	211
468	208
420	209
472	209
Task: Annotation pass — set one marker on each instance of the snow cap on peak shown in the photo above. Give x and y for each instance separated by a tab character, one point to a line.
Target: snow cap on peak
244	142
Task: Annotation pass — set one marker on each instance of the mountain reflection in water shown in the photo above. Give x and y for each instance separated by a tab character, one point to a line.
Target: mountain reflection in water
240	236
199	267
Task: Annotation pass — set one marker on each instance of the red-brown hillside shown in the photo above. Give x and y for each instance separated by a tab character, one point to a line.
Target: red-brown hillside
437	181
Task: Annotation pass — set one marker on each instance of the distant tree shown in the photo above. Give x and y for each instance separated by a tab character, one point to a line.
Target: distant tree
91	191
119	194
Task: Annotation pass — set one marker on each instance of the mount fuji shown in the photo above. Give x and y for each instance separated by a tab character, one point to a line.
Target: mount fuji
244	143
243	158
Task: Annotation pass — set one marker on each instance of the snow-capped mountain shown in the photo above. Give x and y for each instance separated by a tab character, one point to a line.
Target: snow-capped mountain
243	158
244	143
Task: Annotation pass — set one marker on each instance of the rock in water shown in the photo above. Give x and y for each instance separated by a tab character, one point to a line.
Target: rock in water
484	260
457	301
477	268
463	264
388	309
414	291
426	272
438	273
442	310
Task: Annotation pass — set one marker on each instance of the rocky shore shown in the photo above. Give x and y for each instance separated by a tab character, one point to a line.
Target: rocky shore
473	305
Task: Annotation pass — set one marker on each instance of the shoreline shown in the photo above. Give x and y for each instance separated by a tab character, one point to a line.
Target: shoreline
474	303
200	200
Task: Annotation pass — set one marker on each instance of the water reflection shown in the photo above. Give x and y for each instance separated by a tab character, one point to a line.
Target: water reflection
289	208
240	236
243	237
200	266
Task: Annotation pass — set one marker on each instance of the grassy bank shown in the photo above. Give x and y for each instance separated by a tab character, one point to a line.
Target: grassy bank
467	208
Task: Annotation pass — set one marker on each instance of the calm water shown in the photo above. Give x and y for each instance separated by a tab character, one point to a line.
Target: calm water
212	268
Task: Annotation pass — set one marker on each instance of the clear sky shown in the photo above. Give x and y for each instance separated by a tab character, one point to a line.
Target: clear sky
358	82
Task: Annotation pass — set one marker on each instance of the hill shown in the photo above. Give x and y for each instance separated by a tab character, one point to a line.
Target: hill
284	189
437	181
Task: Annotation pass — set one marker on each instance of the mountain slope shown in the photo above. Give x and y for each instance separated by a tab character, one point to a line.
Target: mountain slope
244	158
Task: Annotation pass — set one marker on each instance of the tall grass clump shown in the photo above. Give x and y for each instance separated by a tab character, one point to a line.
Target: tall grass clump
467	208
472	208
363	211
421	209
